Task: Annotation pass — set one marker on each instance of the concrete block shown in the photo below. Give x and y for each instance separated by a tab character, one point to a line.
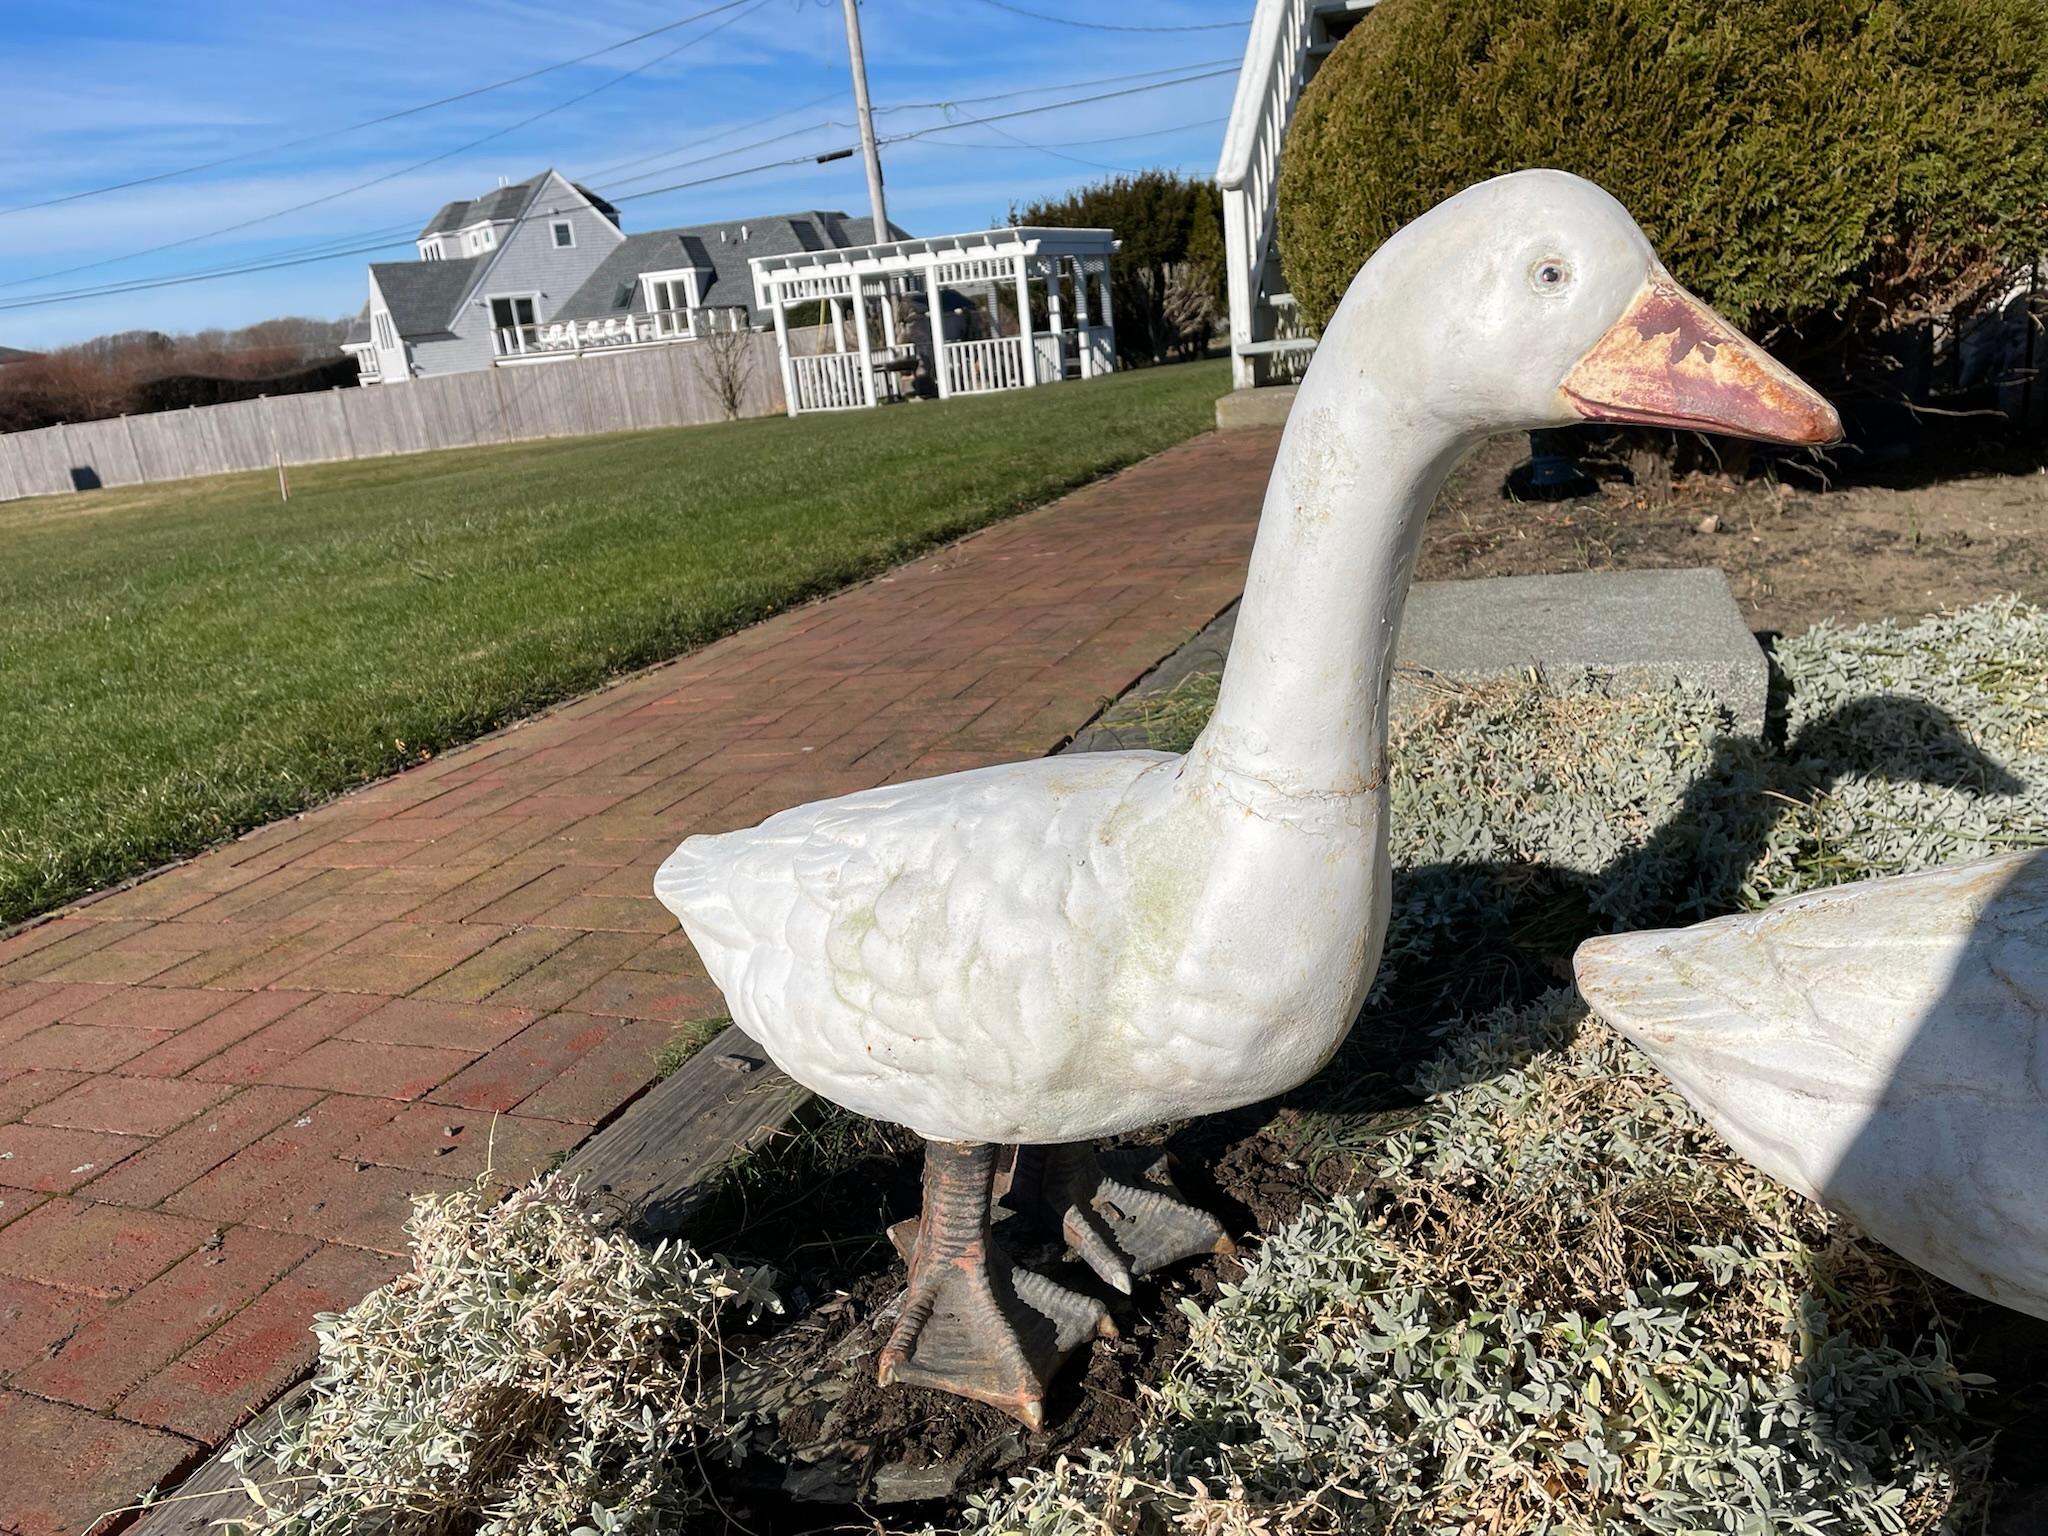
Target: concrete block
1645	628
1246	408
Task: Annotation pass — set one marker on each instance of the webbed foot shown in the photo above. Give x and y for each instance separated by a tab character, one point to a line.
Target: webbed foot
1119	1209
974	1324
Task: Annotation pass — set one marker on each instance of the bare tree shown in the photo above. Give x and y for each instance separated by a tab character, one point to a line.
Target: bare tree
725	362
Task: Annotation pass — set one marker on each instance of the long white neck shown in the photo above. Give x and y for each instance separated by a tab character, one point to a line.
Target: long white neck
1303	702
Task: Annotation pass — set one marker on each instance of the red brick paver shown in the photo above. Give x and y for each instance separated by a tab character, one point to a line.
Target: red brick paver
220	1087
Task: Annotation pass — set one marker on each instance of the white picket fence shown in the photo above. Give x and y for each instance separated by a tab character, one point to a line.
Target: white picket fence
973	367
829	381
597	392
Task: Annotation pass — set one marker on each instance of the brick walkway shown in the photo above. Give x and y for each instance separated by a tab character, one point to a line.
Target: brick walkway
219	1088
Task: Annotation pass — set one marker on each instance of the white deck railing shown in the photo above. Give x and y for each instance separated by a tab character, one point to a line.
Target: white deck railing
975	367
569	337
1280	56
1053	349
828	381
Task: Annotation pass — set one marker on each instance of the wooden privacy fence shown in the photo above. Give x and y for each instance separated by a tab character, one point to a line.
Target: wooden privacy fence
660	386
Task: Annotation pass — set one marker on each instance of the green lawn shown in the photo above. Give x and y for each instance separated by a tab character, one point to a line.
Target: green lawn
179	663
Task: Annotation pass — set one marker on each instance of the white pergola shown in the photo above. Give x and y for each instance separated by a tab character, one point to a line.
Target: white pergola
903	328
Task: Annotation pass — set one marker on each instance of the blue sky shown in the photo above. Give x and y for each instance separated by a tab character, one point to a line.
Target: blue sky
106	91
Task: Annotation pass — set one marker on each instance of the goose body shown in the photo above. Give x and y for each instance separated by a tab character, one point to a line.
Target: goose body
1045	951
1058	950
1880	1047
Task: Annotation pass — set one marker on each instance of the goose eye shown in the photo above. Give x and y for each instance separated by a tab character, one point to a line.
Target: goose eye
1550	275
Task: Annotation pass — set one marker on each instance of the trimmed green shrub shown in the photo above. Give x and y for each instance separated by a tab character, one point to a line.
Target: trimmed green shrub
1814	169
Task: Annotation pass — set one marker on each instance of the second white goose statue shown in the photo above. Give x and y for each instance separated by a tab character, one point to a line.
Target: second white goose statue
1053	951
1881	1047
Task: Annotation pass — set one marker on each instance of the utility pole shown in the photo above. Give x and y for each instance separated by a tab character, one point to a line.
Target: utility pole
867	121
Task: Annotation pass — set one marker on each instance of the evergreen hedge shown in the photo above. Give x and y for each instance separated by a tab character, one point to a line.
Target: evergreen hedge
1815	169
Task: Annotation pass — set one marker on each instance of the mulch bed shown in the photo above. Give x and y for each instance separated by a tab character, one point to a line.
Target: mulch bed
828	1445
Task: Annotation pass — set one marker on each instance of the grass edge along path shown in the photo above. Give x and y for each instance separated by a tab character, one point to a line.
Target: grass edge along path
181	663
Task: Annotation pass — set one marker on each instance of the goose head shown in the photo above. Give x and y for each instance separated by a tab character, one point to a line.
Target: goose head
1533	300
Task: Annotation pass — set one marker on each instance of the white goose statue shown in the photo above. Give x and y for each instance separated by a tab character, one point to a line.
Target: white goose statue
1880	1047
1054	951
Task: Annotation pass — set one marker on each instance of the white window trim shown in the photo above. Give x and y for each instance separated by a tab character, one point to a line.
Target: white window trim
531	295
555	228
665	323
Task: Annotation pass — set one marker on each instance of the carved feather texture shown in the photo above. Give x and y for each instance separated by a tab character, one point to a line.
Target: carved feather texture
1881	1047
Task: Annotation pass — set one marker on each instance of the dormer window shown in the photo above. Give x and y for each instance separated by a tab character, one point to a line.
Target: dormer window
671	296
564	234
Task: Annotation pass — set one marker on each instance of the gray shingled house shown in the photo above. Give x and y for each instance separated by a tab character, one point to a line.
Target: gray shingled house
541	269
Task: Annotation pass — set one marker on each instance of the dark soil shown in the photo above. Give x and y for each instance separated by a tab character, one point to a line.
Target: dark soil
1962	520
827	1445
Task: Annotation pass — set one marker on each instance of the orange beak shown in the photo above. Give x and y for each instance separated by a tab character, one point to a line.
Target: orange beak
1670	361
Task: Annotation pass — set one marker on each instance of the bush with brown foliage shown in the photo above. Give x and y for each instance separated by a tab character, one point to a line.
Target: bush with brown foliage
135	372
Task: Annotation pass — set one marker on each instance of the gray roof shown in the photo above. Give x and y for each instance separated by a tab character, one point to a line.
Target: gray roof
358	328
502	203
614	289
423	296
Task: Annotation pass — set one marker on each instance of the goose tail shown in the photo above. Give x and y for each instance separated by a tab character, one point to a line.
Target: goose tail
695	883
1638	984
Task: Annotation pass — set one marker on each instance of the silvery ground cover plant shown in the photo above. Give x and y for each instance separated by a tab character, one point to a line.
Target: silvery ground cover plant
1559	1306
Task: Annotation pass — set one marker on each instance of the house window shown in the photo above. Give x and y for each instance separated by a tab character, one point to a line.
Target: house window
512	322
385	337
670	297
565	235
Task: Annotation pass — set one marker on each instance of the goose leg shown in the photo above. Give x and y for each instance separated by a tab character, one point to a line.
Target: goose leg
1119	1210
974	1324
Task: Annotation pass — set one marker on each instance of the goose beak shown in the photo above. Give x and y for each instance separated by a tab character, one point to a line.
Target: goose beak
1670	361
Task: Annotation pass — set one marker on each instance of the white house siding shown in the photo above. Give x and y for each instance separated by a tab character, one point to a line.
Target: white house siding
528	262
391	360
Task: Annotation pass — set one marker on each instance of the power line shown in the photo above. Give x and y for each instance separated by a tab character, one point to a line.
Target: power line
353	244
264	218
1121	138
759	122
901	106
591	177
919	133
682	165
1063	85
145	284
369	122
1054	106
140	285
1093	165
1106	26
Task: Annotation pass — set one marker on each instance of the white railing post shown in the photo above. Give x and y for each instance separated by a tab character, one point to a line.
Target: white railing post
1052	319
941	365
1029	366
1083	337
1108	317
860	335
782	350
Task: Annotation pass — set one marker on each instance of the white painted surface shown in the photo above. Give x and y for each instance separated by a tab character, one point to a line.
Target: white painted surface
1881	1048
1067	948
